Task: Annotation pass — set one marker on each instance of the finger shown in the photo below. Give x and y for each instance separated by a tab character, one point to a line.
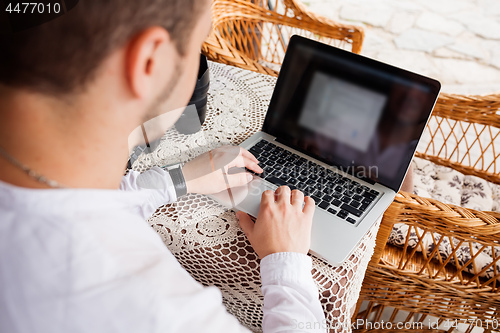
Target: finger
243	161
238	161
308	206
297	198
237	177
283	193
247	154
267	197
253	166
245	223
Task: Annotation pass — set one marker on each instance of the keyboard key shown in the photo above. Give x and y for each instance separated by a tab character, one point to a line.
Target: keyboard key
351	220
337	195
310	182
336	202
317	199
342	214
327	197
276	181
352	210
363	207
285	178
369	195
324	204
256	150
349	193
357	197
260	144
346	199
265	154
374	192
311	190
331	210
367	201
355	204
326	190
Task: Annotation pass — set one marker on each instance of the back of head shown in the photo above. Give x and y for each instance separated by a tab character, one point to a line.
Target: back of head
62	56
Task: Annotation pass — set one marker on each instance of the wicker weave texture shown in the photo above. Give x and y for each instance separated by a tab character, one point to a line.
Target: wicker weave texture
254	34
465	133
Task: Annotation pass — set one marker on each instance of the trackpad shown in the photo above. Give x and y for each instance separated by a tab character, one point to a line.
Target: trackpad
245	198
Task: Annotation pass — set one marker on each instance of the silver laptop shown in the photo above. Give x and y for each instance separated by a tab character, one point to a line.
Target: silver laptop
343	129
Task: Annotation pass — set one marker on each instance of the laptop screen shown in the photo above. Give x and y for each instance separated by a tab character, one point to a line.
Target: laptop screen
360	115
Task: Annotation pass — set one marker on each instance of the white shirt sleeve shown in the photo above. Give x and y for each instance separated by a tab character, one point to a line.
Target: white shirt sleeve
157	185
291	299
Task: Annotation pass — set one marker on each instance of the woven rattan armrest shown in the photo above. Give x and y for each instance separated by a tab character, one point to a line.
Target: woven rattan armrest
443	222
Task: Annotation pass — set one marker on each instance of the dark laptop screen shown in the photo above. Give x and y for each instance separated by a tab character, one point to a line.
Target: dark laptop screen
358	114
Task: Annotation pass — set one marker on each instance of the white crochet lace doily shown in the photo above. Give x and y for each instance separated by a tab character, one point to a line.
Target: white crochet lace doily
205	237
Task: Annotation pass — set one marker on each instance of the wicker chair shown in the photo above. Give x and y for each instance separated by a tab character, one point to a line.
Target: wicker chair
253	34
465	135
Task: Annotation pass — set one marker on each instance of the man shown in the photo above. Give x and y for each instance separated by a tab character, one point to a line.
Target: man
76	254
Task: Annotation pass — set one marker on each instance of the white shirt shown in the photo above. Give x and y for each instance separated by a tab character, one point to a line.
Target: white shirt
84	260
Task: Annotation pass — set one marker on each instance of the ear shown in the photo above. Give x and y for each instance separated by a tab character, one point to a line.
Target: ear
149	58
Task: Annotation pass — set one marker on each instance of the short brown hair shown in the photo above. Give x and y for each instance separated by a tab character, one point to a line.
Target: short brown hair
62	55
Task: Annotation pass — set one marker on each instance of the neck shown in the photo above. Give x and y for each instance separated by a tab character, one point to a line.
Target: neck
77	147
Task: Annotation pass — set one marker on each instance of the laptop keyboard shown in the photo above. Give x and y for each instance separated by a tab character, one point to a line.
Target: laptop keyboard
332	192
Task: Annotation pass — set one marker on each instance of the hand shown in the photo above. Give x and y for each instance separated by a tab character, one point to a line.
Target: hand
228	170
282	224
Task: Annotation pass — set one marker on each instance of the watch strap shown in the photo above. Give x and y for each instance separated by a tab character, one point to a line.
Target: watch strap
178	181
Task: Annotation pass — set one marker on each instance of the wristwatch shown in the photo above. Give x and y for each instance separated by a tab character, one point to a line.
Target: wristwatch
175	172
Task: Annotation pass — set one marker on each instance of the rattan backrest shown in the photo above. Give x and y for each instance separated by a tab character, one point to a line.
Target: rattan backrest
465	135
241	23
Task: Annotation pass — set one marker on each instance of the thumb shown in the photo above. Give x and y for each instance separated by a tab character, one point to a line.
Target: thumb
245	223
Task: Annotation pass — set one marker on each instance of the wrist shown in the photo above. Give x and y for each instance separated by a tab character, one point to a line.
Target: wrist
189	184
186	173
